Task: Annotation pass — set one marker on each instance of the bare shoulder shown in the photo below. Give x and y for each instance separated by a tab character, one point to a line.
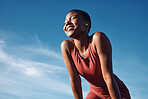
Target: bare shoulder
100	41
67	45
99	36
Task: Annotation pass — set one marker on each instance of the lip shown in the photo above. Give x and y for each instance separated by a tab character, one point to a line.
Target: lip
69	27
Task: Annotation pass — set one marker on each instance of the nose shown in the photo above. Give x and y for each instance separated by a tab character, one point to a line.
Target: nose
67	23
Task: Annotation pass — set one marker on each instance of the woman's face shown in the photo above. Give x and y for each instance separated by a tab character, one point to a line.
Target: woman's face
74	25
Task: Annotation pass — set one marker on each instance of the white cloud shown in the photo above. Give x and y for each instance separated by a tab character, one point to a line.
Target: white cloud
27	77
32	72
29	86
47	52
2	42
30	67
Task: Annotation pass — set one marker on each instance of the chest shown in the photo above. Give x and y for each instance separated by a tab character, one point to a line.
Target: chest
88	67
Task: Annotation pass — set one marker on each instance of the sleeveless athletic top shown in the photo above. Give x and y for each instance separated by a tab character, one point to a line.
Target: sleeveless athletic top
90	69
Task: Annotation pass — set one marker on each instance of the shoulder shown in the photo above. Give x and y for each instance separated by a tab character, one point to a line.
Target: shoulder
67	45
100	41
99	36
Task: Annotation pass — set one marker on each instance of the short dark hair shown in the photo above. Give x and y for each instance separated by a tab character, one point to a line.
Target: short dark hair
84	15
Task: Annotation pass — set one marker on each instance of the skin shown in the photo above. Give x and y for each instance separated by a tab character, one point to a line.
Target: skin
75	28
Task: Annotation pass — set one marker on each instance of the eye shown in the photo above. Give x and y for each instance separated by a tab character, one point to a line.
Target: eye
74	17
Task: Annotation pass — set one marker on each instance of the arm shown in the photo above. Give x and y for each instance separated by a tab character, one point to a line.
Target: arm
73	74
104	50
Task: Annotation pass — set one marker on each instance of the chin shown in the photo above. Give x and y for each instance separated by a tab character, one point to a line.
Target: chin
70	34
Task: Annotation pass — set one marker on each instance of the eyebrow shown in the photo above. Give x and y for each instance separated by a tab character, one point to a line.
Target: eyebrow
73	16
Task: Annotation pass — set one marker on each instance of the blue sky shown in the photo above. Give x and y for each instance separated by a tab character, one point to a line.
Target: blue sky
31	64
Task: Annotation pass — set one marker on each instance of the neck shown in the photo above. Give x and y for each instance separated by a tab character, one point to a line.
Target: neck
82	43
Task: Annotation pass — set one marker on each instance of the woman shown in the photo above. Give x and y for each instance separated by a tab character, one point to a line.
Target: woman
90	57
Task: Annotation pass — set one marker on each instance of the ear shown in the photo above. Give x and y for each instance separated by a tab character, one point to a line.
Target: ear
87	25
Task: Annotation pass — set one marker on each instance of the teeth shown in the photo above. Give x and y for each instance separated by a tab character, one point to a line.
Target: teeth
69	28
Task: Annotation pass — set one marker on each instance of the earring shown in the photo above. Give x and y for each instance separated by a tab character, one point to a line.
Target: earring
86	24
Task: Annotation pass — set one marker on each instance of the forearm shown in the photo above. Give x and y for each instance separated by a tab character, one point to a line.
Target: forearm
113	88
77	89
73	74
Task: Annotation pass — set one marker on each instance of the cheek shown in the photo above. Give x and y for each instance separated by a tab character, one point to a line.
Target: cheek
64	28
79	24
80	27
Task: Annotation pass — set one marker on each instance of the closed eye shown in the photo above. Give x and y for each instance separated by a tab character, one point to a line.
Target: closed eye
74	17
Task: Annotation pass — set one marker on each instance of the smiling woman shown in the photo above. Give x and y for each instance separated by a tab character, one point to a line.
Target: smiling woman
90	57
79	21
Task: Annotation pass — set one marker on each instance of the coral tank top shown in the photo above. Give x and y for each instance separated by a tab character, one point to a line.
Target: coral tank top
90	68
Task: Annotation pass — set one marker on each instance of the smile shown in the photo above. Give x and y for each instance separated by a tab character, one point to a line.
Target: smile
69	28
